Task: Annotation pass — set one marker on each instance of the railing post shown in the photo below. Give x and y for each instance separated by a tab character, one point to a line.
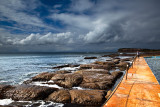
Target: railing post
132	62
127	71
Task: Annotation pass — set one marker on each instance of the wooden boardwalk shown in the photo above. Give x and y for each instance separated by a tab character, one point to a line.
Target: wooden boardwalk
141	89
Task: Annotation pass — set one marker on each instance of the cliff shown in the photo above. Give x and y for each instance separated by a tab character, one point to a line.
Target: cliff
137	49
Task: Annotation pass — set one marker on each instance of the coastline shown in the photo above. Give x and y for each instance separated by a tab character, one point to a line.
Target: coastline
73	84
141	88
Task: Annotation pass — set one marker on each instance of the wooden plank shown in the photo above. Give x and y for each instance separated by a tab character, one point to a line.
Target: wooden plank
141	89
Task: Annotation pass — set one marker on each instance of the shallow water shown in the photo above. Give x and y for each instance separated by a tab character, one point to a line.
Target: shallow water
154	64
15	68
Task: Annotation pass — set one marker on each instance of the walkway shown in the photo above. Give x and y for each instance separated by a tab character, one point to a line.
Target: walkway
141	89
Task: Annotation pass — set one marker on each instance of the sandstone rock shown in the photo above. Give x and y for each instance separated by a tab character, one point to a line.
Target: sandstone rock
116	61
4	89
67	65
111	55
105	56
104	85
117	58
46	76
62	72
105	63
122	64
95	66
116	74
60	96
87	97
67	80
28	81
90	85
127	59
92	71
95	75
28	92
74	65
97	78
90	58
108	94
61	66
108	60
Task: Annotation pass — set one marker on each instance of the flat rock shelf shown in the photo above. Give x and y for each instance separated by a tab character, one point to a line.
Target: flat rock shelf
89	85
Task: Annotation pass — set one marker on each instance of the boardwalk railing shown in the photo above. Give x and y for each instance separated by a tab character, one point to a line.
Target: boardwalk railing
128	67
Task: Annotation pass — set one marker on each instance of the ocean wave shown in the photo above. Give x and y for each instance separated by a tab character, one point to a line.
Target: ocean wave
6	101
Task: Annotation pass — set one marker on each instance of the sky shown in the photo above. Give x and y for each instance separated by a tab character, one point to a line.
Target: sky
78	25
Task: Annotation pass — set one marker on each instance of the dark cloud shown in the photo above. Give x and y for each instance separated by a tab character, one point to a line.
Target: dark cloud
85	25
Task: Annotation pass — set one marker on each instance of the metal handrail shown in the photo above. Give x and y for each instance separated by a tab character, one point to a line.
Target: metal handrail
133	61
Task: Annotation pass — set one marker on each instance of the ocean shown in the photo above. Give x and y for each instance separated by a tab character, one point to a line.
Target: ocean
16	68
154	64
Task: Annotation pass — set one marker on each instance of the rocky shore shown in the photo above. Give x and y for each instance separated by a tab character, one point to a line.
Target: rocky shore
87	86
142	52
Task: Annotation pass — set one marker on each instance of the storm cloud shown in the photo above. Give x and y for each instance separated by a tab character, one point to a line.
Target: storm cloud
78	25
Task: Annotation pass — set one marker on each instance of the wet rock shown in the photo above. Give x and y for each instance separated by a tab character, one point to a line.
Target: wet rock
95	75
105	63
67	65
111	55
60	96
103	85
61	66
90	58
62	72
116	61
108	94
89	85
117	58
75	65
105	56
46	76
127	59
29	92
122	64
97	78
87	97
102	82
108	60
4	89
67	80
95	66
117	74
28	81
125	54
92	71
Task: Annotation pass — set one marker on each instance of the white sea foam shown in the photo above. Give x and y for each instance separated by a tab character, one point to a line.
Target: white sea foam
46	85
2	81
25	101
80	88
6	101
41	103
51	104
69	68
124	57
